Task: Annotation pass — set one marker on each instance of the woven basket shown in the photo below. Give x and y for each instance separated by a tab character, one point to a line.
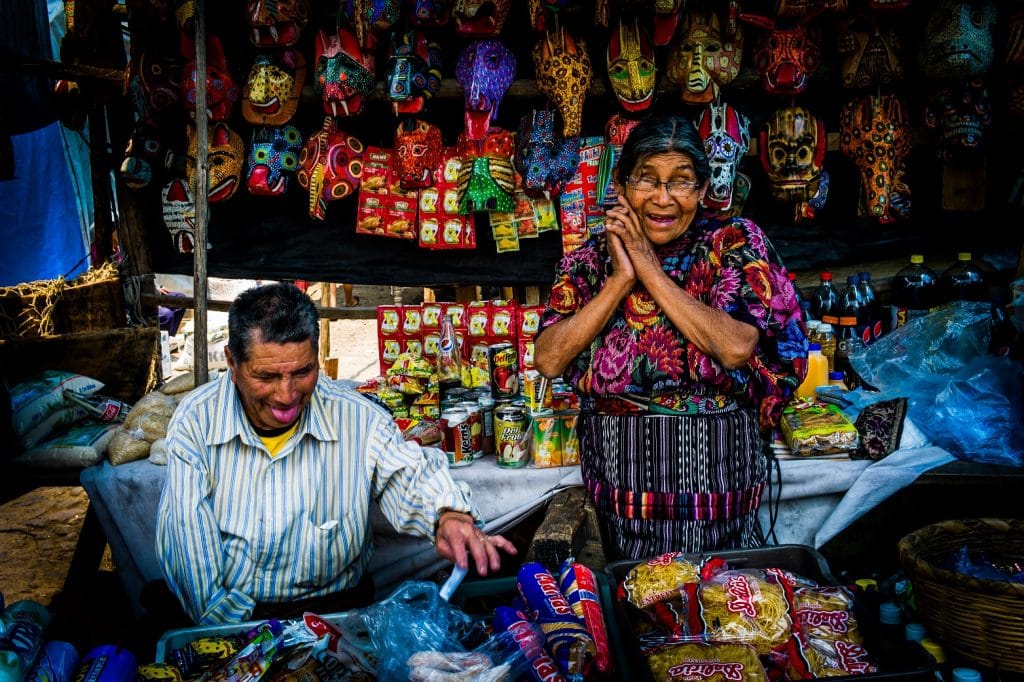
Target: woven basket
981	620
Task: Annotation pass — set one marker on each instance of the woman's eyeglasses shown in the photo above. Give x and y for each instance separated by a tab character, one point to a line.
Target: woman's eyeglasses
677	188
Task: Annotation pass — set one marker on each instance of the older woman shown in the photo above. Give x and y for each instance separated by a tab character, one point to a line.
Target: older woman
682	334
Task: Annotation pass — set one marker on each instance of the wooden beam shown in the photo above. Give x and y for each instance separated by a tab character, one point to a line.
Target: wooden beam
561	533
201	193
359	312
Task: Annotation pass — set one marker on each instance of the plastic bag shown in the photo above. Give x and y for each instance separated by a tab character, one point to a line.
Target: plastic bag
965	400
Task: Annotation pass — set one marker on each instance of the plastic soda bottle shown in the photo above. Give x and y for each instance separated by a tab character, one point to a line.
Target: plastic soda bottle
827	339
23	626
870	298
914	292
963	281
817	373
848	343
853	307
825	302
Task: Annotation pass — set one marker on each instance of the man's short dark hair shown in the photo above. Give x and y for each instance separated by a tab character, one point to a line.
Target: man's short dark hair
271	313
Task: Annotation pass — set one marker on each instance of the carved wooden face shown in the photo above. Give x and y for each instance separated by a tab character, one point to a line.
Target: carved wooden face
726	135
344	72
793	156
330	167
414	72
631	70
221	91
562	65
481	17
786	57
485	69
875	134
276	23
704	60
544	159
225	155
958	40
418	151
961	113
273	156
870	53
271	94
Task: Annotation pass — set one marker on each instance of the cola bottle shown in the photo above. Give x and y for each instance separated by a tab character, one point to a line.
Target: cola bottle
915	291
870	298
963	281
854	311
825	302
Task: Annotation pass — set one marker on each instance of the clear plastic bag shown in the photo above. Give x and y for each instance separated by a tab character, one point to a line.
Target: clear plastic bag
964	399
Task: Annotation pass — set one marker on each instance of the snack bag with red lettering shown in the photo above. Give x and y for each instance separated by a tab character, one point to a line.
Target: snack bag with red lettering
746	607
826	641
566	636
658	579
706	662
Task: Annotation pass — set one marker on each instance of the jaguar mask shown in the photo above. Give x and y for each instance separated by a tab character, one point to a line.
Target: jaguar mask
224	156
786	54
870	53
480	17
344	72
179	214
272	90
485	69
874	132
562	65
419	147
957	41
545	160
961	113
330	167
486	177
631	71
414	72
726	135
221	91
793	155
273	156
276	23
704	60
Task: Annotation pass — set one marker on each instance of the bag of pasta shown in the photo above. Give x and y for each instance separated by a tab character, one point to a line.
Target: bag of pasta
658	579
705	662
826	641
746	607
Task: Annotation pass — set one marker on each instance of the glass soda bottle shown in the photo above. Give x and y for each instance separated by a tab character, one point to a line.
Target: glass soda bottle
915	291
963	281
825	302
870	298
449	358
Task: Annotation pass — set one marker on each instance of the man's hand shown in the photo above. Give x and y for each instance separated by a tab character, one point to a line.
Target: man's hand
458	538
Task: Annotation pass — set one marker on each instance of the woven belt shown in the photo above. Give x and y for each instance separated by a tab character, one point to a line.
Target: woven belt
675	506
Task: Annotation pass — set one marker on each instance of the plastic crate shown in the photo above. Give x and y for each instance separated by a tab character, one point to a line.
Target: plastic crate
910	662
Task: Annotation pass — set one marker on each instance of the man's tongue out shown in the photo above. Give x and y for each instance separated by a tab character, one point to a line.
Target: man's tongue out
285	415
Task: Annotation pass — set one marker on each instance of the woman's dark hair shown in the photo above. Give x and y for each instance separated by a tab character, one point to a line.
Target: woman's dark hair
272	313
657	134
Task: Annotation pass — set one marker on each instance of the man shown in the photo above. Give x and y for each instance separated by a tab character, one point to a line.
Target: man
271	471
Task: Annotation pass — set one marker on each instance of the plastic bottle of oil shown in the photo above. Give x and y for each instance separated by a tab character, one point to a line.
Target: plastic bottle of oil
827	340
817	373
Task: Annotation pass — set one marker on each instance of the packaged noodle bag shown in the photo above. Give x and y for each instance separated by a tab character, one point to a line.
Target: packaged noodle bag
705	662
658	579
827	641
744	606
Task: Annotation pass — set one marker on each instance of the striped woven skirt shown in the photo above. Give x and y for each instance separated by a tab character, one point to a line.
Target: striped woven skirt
664	483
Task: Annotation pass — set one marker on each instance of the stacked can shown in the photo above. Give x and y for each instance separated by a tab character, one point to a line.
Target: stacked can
503	367
547	439
486	403
456	436
509	427
476	427
568	421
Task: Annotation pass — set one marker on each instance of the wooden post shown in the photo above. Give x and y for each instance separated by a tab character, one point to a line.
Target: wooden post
200	288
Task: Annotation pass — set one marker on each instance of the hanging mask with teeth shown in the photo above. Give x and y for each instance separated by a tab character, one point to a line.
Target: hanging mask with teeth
344	72
787	54
221	91
273	156
726	135
179	214
562	65
704	60
271	94
419	147
330	167
225	153
486	177
276	23
414	72
793	156
480	17
544	159
485	69
631	70
961	113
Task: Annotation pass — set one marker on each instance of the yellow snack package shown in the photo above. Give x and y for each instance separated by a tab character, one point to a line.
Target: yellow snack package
659	579
706	662
815	428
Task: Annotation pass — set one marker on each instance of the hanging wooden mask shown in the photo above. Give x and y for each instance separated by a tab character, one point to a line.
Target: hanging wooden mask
369	17
667	14
543	13
273	87
704	60
870	53
273	156
792	147
801	8
179	214
874	133
562	65
344	72
786	55
961	114
617	129
631	70
958	40
221	91
414	72
428	12
486	177
419	147
544	159
726	135
225	153
159	80
276	23
480	17
1015	38
330	167
146	156
485	69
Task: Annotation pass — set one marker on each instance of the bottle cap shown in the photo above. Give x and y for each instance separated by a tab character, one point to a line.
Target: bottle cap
865	276
867	584
889	613
837	376
963	255
915	632
852	279
813	347
917	259
826	276
966	675
824	328
934	648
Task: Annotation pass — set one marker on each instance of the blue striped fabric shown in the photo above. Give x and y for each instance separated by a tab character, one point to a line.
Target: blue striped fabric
237	526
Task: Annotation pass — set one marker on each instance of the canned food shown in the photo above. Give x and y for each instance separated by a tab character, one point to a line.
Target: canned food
476	425
456	437
455	393
547	440
486	403
509	425
503	368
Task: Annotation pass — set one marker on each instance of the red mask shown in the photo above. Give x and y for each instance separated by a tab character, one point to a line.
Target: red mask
276	23
667	14
330	167
221	91
617	129
344	72
786	55
874	132
481	17
419	147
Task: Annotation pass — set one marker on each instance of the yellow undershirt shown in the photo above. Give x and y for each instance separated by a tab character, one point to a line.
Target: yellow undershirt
275	443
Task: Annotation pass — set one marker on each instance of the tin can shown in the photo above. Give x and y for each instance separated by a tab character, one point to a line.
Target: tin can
570	436
456	393
509	424
486	403
503	369
547	439
476	425
456	437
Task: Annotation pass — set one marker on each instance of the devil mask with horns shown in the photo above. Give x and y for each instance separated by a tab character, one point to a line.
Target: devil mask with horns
330	167
958	40
344	72
273	156
272	90
874	132
793	156
221	91
631	70
704	60
726	135
414	72
786	55
562	65
486	177
419	147
485	69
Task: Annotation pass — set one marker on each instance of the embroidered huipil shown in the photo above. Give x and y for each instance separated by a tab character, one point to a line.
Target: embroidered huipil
726	264
237	526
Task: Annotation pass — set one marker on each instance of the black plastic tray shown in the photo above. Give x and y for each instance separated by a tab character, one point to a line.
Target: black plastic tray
909	662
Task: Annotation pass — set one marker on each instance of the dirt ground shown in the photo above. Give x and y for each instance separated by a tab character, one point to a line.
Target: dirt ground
39	530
